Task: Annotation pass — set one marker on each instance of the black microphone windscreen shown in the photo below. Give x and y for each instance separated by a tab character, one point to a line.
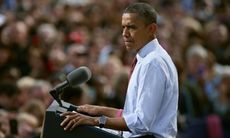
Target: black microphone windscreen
78	76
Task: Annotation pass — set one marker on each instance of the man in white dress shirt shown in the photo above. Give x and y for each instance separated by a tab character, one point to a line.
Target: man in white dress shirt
151	103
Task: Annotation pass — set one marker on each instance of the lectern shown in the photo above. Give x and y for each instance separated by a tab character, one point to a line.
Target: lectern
52	128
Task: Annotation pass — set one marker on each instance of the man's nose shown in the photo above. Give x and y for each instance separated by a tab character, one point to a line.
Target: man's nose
125	32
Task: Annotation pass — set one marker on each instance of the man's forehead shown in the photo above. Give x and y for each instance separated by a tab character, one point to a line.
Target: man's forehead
131	19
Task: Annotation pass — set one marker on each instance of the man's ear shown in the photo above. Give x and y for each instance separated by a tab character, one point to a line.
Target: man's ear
152	28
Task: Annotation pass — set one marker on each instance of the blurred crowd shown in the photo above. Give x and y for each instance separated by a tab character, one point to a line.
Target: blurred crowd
43	40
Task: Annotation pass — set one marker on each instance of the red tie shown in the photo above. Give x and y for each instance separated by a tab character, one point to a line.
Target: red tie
132	67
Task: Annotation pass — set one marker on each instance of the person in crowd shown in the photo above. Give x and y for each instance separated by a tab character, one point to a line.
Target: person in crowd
76	57
24	85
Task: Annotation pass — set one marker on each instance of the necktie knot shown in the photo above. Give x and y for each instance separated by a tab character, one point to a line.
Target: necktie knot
132	66
134	63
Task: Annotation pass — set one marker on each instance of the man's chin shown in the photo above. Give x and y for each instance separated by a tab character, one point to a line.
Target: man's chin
128	48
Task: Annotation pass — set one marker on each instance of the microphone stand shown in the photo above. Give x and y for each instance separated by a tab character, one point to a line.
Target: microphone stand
63	106
54	93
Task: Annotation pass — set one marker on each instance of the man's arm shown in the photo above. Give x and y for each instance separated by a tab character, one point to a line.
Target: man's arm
98	110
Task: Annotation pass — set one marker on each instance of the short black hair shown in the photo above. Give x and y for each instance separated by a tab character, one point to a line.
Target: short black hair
144	10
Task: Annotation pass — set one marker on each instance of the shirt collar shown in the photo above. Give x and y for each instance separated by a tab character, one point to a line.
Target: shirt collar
149	47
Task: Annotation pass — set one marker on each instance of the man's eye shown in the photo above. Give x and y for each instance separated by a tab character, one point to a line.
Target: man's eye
129	27
132	27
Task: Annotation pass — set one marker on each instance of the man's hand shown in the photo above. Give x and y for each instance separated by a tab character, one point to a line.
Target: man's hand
74	119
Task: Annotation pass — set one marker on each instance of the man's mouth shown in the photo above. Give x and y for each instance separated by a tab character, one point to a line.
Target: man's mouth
128	41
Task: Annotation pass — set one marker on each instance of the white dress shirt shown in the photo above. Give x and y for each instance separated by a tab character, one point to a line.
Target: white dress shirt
152	96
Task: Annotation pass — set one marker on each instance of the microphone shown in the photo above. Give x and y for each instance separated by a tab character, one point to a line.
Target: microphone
73	79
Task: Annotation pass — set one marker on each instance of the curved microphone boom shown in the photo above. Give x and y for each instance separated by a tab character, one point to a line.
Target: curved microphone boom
73	79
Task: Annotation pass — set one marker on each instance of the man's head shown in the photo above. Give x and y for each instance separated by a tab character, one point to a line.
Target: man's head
139	25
